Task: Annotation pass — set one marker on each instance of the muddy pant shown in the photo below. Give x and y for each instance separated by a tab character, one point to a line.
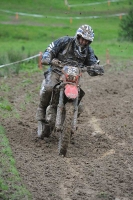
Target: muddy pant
51	79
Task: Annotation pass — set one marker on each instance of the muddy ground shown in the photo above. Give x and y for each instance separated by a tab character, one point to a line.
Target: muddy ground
99	165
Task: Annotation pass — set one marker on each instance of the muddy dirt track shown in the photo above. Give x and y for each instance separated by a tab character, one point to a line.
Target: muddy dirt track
99	166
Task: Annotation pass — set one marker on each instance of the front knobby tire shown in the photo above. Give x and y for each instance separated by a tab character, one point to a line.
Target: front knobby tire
65	135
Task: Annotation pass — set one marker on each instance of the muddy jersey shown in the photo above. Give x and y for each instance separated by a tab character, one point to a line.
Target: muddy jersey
64	49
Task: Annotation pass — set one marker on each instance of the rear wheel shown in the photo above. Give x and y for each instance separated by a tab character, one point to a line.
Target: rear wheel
64	138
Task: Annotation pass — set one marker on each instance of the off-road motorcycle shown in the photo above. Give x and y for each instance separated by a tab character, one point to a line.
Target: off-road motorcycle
62	112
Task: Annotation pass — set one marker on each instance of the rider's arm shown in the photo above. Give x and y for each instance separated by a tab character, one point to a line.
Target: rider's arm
54	48
91	60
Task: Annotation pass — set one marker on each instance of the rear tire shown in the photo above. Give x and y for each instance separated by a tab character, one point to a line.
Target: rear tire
64	138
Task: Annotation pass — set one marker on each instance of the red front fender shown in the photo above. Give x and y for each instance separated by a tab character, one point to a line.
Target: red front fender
71	91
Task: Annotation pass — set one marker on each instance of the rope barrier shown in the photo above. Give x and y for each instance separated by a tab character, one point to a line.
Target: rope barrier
60	18
40	57
92	4
1	66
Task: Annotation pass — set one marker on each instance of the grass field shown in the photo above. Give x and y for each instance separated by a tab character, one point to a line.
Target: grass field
34	33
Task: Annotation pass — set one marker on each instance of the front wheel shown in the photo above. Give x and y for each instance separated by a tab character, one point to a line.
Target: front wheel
65	134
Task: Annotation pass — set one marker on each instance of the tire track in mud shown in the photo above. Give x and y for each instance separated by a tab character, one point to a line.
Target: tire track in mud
76	175
76	170
94	122
66	184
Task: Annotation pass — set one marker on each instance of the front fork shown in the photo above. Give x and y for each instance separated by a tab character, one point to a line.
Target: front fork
75	115
60	108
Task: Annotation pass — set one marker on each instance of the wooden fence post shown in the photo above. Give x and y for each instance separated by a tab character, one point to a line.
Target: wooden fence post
39	61
107	57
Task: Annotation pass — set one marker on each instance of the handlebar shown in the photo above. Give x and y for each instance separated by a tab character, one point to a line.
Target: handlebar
58	63
94	69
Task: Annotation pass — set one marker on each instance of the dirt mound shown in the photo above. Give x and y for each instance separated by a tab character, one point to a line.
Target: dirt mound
100	163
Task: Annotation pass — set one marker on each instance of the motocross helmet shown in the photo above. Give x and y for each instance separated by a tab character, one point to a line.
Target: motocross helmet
86	32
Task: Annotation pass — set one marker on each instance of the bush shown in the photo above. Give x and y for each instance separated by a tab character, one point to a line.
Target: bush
126	27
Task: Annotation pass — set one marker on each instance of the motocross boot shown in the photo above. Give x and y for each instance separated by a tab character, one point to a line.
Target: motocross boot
43	130
43	127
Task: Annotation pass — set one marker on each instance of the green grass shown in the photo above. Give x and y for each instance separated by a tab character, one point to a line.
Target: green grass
59	8
6	109
33	34
100	9
11	186
5	106
103	39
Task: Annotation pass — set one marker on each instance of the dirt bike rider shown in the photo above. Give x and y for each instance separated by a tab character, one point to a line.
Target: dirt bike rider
75	48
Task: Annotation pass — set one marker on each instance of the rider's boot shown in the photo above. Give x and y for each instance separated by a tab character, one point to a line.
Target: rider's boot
43	130
43	127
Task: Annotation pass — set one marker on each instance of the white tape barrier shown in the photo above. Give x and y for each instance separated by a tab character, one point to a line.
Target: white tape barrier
57	17
20	13
91	4
1	66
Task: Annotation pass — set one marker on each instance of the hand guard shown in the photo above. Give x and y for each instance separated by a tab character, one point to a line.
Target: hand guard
95	70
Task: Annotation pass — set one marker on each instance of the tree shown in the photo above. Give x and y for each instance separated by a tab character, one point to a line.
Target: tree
126	27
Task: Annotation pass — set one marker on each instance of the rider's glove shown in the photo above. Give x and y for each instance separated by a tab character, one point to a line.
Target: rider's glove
46	58
45	61
95	70
56	62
